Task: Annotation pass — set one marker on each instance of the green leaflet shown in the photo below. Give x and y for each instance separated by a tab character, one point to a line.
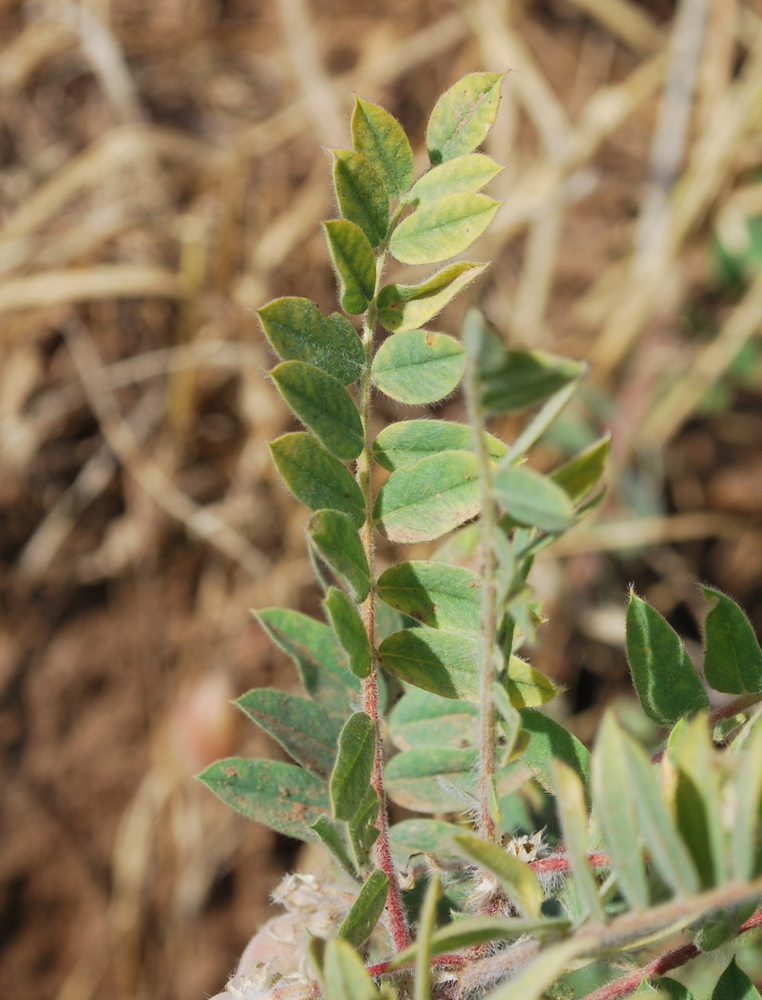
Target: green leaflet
673	989
315	477
442	228
433	497
350	779
418	366
698	803
412	778
301	727
362	829
344	976
408	307
748	799
422	719
665	846
549	739
441	662
463	116
401	445
516	878
732	657
734	984
616	811
349	630
438	595
354	263
514	380
379	137
465	173
333	836
423	836
667	684
361	194
359	923
323	404
335	537
298	331
425	929
286	798
581	474
533	499
321	662
525	686
572	813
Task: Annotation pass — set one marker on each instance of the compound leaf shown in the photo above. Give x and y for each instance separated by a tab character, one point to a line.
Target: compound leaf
361	194
298	331
436	594
379	137
533	499
315	477
465	173
431	498
301	727
732	657
441	662
463	116
401	445
286	798
667	684
442	228
418	366
335	537
349	630
350	778
407	307
323	404
366	910
354	263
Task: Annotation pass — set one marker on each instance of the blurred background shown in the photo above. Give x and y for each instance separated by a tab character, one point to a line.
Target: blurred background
162	174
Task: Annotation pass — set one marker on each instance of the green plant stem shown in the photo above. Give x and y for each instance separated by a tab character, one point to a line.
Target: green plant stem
488	623
397	920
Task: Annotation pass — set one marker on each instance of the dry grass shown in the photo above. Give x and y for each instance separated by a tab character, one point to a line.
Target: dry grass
161	175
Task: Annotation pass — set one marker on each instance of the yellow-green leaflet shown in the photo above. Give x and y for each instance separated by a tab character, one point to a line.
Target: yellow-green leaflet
442	228
419	366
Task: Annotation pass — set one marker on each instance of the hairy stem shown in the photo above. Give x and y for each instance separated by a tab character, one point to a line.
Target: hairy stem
383	855
488	623
660	966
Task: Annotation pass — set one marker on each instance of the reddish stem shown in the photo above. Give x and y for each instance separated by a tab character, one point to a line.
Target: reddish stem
660	966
